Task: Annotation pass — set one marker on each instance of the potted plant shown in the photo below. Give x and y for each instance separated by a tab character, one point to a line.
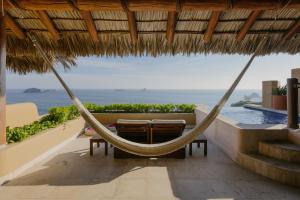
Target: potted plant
279	99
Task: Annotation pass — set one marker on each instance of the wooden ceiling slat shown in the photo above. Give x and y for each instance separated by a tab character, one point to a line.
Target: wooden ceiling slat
292	31
212	24
171	25
247	25
14	26
87	16
162	5
49	24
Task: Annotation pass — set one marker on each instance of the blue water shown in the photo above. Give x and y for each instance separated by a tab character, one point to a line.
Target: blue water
208	97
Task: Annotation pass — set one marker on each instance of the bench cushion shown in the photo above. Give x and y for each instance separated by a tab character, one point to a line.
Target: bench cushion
127	121
168	121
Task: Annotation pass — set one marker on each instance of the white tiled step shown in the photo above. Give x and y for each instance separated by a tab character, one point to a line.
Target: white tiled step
279	170
280	150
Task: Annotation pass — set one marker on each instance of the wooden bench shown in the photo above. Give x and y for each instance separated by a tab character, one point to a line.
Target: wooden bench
198	141
96	139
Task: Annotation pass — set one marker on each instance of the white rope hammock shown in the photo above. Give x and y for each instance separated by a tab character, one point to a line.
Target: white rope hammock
153	149
146	149
138	148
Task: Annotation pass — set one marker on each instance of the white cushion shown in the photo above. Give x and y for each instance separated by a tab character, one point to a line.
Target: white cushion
168	121
129	121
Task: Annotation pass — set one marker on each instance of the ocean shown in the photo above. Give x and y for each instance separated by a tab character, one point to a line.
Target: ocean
49	99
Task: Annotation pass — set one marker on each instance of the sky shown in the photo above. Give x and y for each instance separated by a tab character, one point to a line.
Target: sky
165	72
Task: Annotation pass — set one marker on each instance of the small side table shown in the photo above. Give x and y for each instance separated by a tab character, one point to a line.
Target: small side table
98	140
200	139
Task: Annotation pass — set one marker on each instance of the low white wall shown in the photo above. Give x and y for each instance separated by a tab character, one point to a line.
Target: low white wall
234	138
21	114
16	157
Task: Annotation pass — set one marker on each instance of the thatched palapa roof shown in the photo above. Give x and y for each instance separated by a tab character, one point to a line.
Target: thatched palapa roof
71	28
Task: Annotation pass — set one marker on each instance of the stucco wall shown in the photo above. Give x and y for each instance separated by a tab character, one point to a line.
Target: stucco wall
14	156
294	136
21	114
235	138
267	88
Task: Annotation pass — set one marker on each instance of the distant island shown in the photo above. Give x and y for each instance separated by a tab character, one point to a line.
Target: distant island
36	90
253	98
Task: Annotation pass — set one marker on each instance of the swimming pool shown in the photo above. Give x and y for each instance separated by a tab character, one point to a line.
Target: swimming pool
253	116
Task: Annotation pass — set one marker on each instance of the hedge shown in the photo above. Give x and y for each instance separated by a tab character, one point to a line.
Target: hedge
141	108
59	115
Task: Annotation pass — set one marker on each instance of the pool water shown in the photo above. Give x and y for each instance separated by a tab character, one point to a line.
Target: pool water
249	116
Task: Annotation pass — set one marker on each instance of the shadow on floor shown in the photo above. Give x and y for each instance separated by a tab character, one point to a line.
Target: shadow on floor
215	176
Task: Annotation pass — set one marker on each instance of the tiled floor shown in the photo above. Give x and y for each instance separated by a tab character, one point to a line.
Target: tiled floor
72	174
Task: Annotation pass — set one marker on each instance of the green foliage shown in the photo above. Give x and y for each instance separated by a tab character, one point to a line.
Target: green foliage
59	115
141	108
55	117
281	91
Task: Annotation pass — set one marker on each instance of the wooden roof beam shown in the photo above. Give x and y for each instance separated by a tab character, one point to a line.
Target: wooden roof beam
295	28
87	16
131	21
247	25
171	26
14	26
49	24
163	5
132	26
212	24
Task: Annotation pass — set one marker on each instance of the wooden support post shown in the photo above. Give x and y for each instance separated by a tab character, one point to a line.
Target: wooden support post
2	81
292	103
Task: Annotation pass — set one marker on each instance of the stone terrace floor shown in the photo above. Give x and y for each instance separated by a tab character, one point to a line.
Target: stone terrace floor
72	174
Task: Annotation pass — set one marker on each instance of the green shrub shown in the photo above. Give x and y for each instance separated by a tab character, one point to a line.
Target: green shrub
55	117
141	108
281	91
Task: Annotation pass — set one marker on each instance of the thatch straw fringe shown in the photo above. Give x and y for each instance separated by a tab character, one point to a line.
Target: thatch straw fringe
25	64
68	24
109	15
277	25
191	26
151	26
235	14
31	24
65	14
115	38
229	26
281	13
109	25
194	15
25	13
151	15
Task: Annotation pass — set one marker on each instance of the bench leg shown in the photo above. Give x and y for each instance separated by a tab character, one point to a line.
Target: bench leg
98	144
91	148
198	144
205	148
191	148
106	148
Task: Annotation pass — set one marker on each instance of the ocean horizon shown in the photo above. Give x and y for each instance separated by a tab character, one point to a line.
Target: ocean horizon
58	97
